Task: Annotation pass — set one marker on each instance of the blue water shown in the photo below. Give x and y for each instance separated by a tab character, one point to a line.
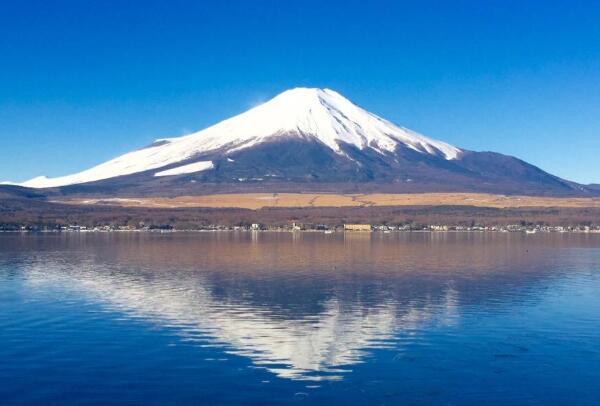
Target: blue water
281	318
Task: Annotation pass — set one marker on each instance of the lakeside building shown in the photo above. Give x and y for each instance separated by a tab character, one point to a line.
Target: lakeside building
357	227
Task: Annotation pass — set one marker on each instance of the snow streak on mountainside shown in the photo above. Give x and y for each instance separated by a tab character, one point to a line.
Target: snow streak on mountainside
313	114
190	168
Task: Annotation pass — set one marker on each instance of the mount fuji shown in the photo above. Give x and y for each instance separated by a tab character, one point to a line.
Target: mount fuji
308	139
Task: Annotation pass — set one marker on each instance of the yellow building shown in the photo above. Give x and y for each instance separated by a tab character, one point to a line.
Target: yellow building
357	227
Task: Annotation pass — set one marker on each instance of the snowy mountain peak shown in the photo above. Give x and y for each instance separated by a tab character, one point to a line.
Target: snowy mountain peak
322	115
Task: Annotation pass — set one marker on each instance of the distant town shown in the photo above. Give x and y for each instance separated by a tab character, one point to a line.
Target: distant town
299	227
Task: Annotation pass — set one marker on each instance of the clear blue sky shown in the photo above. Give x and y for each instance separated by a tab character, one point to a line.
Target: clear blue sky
83	81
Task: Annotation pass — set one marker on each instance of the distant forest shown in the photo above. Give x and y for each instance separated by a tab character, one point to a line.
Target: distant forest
18	212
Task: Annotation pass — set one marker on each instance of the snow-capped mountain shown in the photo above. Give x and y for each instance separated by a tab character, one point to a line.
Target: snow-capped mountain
322	115
308	136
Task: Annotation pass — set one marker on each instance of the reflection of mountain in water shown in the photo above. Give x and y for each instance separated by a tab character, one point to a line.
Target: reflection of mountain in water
311	347
300	320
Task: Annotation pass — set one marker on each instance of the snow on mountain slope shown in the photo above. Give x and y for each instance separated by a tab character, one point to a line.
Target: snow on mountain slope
320	114
190	168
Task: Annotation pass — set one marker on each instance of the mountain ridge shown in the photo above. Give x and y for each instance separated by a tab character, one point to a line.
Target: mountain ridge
308	138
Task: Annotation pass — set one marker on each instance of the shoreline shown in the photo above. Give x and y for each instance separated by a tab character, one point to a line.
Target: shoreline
500	231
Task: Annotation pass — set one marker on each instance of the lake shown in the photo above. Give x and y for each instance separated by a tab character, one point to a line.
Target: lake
310	318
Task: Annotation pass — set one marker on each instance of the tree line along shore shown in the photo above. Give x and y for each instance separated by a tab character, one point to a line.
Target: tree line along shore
16	215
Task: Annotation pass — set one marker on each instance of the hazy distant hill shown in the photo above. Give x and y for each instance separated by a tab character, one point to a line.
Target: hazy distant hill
19	192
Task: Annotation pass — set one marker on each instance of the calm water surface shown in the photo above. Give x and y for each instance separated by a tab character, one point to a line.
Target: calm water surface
256	318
